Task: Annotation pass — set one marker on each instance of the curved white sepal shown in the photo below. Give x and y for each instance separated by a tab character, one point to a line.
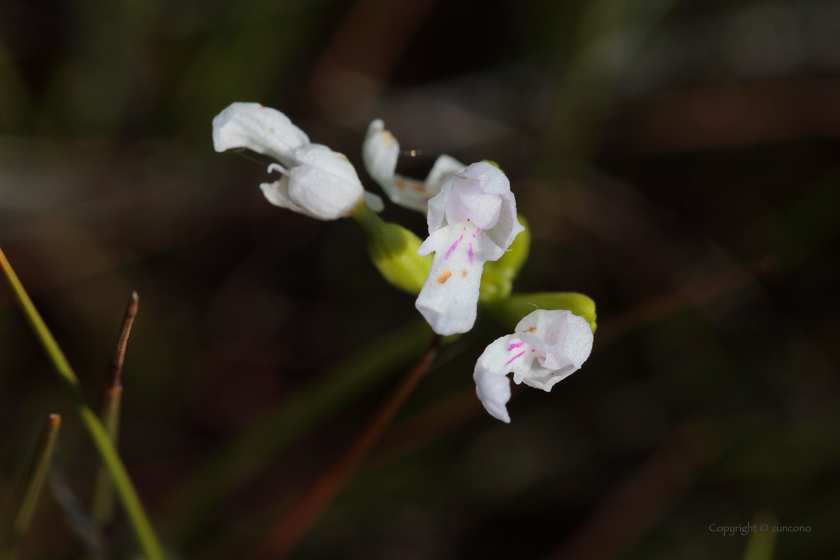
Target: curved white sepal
258	128
380	151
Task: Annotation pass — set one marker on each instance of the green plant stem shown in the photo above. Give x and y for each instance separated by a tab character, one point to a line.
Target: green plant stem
125	488
27	499
103	495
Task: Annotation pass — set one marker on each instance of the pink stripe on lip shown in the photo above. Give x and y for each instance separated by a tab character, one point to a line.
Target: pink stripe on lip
449	252
515	345
509	361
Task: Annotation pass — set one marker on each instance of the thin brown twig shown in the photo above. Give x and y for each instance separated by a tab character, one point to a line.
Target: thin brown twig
293	527
116	366
103	496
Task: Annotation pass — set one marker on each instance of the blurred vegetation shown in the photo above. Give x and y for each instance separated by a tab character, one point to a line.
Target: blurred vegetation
676	161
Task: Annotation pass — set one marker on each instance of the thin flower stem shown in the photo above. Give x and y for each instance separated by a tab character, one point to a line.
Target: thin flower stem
125	488
27	499
306	511
103	496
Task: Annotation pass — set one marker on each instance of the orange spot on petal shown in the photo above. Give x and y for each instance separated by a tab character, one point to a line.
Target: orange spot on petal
463	273
443	277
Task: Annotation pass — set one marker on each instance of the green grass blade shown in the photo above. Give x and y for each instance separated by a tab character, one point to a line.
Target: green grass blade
122	482
24	507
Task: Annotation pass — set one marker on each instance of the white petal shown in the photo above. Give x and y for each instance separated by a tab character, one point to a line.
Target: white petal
542	378
261	129
409	193
380	152
416	194
579	340
566	343
324	183
277	193
445	166
436	216
493	391
531	322
468	201
335	163
449	297
505	230
434	242
492	179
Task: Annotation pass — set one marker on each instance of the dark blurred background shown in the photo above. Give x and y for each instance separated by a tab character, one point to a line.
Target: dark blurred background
678	161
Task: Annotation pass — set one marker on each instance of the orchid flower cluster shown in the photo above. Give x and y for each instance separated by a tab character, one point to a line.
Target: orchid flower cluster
474	231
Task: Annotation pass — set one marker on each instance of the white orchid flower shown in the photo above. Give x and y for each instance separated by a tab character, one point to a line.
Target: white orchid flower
471	221
547	346
316	181
380	152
